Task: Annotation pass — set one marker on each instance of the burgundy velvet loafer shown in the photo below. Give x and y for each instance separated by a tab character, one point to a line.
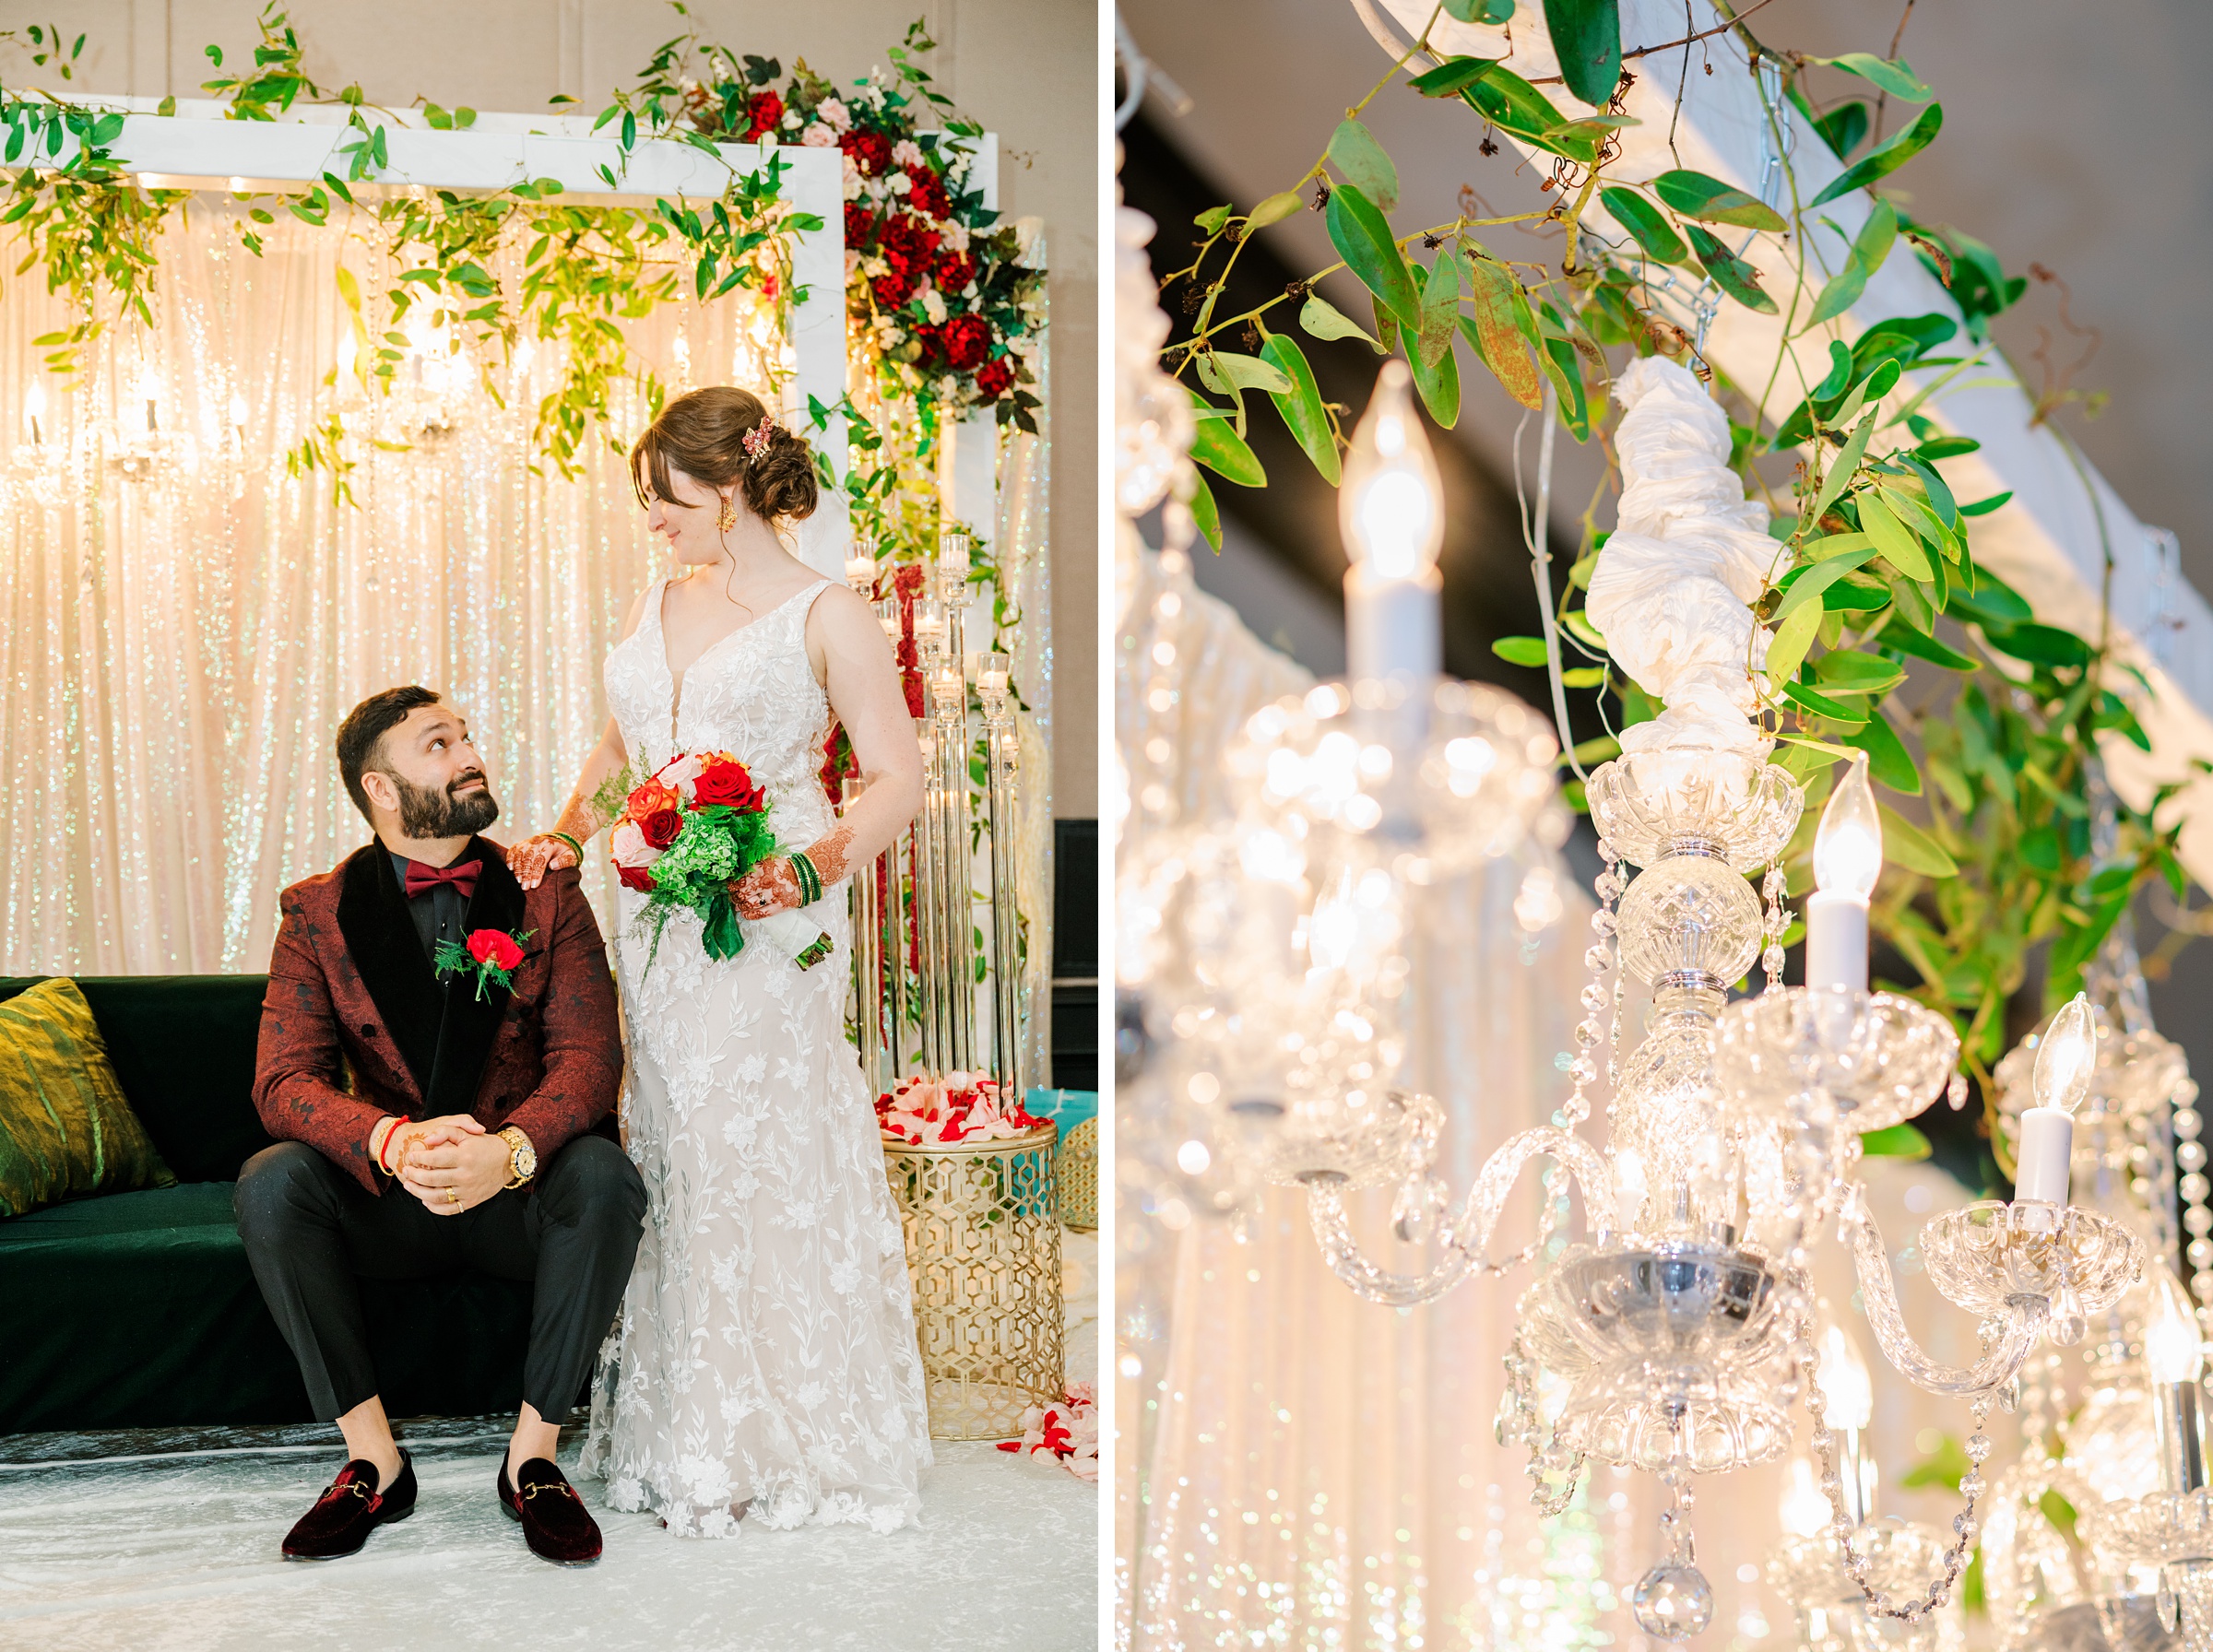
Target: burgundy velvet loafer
353	1508
555	1522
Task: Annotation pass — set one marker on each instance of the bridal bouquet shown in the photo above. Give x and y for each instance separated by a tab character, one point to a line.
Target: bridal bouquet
687	833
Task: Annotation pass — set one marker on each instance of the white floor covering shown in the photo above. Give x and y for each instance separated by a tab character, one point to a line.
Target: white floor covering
167	1542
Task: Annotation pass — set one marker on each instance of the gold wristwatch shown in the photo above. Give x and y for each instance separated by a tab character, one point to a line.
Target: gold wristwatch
522	1157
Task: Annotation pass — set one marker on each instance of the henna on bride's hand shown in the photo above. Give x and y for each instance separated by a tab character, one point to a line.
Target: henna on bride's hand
770	887
829	855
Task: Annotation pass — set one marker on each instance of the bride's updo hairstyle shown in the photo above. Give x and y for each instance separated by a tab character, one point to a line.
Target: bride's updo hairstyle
703	434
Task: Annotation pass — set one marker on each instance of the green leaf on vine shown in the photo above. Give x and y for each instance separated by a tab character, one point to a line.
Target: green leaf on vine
1843	466
1514	106
1895	541
1520	650
1354	152
1438	382
1888	762
1274	210
1895	1141
1496	333
1730	273
1693	195
1809	581
1301	406
1322	319
1844	128
1812	702
1362	239
1221	450
1869	248
1479	11
1894	76
1888	157
1646	222
1586	37
1786	649
1904	639
1453	76
1228	373
1212	219
1205	512
1440	306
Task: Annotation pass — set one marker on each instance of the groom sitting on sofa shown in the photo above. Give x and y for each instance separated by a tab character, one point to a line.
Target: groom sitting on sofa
431	1116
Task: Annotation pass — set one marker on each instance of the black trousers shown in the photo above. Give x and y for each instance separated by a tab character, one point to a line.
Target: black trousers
311	1230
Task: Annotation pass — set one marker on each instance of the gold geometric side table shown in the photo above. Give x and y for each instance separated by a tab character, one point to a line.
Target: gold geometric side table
982	1222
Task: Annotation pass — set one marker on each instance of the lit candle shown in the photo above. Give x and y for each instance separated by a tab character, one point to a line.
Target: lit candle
2066	1056
887	616
1847	856
1848	1405
1391	513
2174	1362
929	621
992	673
860	573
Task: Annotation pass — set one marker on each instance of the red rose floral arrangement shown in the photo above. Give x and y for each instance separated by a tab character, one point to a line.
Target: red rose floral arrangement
688	831
959	1107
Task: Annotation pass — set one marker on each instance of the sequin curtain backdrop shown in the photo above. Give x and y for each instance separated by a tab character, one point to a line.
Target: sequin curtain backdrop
185	622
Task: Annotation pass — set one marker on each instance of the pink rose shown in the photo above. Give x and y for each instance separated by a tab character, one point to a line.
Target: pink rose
629	848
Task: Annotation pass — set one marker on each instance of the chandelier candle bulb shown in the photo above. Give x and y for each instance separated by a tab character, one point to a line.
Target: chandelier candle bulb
1848	857
2174	1363
1391	513
2061	1077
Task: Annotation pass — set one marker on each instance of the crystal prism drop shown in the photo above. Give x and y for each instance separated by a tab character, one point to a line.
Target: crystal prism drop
2169	1608
1673	1601
2068	1324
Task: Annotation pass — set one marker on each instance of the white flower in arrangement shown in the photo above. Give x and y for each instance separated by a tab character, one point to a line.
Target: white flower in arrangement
852	264
933	305
956	236
836	113
906	152
818	136
791	120
873	265
852	179
898	184
948	387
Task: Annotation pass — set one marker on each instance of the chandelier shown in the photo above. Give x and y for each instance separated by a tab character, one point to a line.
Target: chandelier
1298	968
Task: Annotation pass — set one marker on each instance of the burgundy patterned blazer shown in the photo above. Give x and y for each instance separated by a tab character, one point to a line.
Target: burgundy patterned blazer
356	1025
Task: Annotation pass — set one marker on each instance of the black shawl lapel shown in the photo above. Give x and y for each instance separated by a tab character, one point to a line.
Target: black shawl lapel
472	1024
380	938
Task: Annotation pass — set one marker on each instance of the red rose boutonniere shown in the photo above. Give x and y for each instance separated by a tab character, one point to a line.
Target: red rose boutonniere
491	957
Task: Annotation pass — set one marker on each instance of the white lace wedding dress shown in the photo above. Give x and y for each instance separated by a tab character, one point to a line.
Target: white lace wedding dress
766	1351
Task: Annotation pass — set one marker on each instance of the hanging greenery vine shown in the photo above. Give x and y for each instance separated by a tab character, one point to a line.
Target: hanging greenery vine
1873	568
948	315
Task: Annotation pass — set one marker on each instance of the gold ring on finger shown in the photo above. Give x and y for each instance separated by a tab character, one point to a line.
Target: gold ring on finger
453	1195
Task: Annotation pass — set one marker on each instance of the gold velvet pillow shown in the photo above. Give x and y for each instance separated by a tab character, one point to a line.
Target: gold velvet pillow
66	1129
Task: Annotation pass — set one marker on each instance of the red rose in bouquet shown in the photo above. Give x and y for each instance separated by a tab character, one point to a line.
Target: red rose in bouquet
933	352
955	270
661	827
860	227
995	378
894	289
636	878
967	340
762	110
725	786
909	243
494	947
872	151
926	193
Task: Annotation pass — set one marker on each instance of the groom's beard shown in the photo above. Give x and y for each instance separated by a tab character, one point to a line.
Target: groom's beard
429	813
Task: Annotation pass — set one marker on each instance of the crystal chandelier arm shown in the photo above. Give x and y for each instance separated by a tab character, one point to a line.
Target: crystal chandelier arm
2016	1332
1467	1233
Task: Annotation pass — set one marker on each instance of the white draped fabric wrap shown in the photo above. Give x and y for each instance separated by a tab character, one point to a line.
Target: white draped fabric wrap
1671	587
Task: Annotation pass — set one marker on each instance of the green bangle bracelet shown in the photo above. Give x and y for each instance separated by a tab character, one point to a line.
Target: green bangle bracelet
811	880
572	843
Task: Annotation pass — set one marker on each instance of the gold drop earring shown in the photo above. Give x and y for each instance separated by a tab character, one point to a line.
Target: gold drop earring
725	518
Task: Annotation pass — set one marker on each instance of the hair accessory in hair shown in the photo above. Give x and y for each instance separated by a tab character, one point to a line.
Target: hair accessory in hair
756	440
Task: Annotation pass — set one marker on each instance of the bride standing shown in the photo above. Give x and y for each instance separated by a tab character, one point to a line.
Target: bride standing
764	1362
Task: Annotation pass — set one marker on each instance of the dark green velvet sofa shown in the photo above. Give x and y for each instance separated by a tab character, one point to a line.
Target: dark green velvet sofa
138	1310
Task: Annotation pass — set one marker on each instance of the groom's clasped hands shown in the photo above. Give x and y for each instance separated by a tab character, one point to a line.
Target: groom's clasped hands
450	1163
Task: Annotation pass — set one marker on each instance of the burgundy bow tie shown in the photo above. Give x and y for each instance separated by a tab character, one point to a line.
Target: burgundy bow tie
462	875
